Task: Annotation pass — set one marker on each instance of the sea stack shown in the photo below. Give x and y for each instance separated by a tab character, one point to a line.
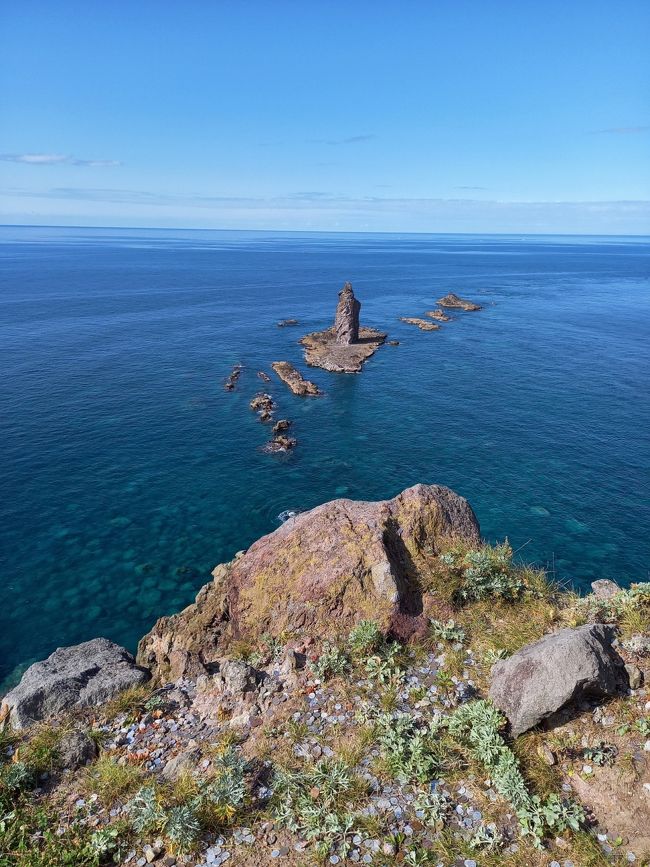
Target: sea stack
346	323
345	345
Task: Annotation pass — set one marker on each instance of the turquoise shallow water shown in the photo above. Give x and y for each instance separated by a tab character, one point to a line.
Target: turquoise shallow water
128	472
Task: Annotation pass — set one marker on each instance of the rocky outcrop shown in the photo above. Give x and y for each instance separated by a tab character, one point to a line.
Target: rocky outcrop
455	302
554	672
439	315
322	350
263	376
346	322
295	380
263	405
284	323
282	425
422	324
345	346
78	676
603	588
232	379
318	574
280	443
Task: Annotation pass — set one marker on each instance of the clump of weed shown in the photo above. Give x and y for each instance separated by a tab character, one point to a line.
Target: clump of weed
330	662
484	573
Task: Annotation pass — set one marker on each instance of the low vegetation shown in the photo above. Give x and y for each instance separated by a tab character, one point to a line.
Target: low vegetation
411	723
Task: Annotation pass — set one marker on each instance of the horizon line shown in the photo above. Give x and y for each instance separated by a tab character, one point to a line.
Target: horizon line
324	231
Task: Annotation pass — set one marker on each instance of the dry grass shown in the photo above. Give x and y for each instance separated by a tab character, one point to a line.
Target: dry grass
111	781
129	702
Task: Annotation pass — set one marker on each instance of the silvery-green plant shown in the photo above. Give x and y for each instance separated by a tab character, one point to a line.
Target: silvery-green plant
449	631
385	666
331	661
365	637
145	810
478	725
182	828
406	747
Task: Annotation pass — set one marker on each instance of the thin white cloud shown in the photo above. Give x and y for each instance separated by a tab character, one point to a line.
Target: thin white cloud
621	130
55	159
352	139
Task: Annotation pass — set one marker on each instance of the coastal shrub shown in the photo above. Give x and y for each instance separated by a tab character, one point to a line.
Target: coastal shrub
643	726
484	573
15	779
200	804
486	837
432	808
478	725
366	637
330	662
406	747
449	631
629	608
315	803
386	665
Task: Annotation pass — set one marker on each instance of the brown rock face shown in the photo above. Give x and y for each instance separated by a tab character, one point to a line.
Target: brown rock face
455	302
295	380
422	324
346	322
317	575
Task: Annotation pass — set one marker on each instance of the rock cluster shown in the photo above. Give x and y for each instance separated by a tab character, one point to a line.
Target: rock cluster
264	405
440	315
295	380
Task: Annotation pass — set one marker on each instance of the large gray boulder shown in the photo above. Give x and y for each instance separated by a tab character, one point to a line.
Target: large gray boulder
78	676
558	669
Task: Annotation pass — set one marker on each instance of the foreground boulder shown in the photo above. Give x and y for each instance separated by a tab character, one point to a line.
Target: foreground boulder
318	574
78	676
555	671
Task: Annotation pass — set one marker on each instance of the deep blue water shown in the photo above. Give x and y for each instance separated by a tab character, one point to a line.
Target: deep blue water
128	472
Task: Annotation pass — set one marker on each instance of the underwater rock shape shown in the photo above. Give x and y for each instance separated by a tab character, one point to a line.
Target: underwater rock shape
284	323
319	573
346	321
77	676
559	669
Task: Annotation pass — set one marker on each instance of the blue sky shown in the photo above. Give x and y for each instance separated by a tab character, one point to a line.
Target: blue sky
441	116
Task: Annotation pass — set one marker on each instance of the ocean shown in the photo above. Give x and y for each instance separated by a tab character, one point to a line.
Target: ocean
128	472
